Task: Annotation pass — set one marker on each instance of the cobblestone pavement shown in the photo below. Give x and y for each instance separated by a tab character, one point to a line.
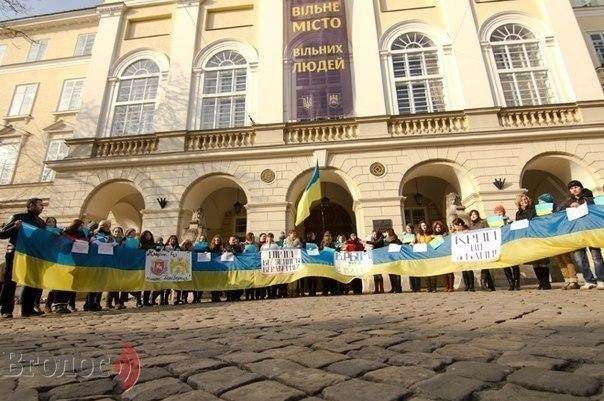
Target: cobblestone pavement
524	345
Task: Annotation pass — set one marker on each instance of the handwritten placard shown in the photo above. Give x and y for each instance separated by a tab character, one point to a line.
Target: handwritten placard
519	225
575	213
204	257
281	261
81	247
543	209
420	248
476	246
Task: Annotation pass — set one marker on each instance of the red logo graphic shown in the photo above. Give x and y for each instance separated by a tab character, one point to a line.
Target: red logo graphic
127	367
158	267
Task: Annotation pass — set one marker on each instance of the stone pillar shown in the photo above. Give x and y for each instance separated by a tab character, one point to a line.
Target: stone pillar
266	217
161	222
89	119
173	109
368	80
269	25
572	53
474	79
369	209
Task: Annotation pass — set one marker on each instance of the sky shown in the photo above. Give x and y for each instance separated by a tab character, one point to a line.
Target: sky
37	7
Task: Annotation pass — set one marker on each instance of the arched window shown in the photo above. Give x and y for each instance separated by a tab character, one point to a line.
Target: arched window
417	79
136	99
522	71
223	91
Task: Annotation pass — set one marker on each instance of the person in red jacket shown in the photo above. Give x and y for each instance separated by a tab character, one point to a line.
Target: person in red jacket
354	244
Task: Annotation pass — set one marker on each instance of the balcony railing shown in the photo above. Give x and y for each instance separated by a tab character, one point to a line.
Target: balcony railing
320	132
427	124
211	140
126	146
541	116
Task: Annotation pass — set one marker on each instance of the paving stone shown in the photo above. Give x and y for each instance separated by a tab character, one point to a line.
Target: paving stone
285	351
186	368
414	346
428	361
92	387
263	391
596	371
310	380
498	344
488	372
354	367
271	368
465	352
512	392
336	345
149	374
583	354
373	353
162	360
43	382
556	382
196	395
380	341
404	375
243	357
448	387
361	390
28	394
222	380
316	359
155	390
521	360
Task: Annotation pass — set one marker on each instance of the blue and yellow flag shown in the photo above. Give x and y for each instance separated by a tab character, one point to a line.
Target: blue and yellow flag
311	193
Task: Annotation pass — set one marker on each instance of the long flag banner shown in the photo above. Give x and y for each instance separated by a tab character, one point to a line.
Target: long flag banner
44	259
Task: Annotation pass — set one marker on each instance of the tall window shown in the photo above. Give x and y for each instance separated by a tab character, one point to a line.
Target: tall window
71	95
37	50
597	39
8	160
224	90
84	44
418	82
57	150
522	71
23	100
134	108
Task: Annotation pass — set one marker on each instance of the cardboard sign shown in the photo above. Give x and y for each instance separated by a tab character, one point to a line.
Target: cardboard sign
543	209
80	247
204	257
281	261
420	248
394	248
519	225
105	249
574	213
495	221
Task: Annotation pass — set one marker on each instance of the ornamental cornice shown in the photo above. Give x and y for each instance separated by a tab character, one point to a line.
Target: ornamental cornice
48	22
111	10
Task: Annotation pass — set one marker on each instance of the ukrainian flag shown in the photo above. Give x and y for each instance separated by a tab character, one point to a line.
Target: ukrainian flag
311	194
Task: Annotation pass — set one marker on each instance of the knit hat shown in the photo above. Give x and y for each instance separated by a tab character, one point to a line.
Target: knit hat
545	198
499	208
575	183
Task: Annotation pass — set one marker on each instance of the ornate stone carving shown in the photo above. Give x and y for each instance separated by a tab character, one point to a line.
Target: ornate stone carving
454	208
377	169
268	176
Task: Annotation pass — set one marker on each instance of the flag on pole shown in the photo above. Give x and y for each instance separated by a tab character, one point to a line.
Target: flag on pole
311	193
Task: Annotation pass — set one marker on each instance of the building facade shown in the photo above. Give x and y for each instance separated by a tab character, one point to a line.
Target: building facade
173	115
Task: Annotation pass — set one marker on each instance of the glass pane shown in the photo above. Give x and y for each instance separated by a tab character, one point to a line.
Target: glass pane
402	96
239	118
240	80
208	113
210	80
225	81
224	112
420	97
398	65
123	93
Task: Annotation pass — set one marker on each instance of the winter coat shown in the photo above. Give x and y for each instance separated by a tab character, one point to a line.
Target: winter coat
354	246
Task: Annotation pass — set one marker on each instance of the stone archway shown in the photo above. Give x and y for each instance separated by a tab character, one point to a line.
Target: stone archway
119	201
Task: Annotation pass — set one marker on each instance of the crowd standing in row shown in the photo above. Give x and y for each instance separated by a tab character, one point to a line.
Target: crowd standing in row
424	233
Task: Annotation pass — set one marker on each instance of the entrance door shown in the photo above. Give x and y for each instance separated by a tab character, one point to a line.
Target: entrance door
337	221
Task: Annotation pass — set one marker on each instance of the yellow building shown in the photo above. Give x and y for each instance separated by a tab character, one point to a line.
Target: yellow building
169	115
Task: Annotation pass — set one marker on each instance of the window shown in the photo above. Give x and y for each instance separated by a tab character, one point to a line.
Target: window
134	108
57	150
597	39
37	50
23	100
414	215
523	74
8	160
417	80
84	44
2	52
240	226
224	90
71	95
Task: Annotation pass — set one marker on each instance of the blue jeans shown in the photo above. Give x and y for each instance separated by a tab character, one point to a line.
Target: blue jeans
580	257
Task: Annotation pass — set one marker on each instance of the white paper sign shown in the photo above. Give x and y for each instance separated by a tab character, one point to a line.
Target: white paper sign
313	252
519	225
227	257
278	261
80	247
394	248
476	245
168	266
105	249
420	248
355	264
574	213
204	257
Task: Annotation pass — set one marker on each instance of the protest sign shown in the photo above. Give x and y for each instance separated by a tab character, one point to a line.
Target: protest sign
278	261
354	264
476	246
168	266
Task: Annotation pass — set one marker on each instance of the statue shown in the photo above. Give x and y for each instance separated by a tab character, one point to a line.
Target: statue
198	216
454	208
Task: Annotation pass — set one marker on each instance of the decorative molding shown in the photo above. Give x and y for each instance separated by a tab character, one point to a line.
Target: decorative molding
52	21
44	64
111	10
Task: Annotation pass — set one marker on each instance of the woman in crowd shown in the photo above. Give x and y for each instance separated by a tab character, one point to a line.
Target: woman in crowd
423	236
147	243
340	243
330	286
354	244
468	275
172	244
478	223
250	246
415	283
512	274
390	237
438	229
233	247
376	241
216	247
311	283
51	226
114	296
101	236
526	211
187	246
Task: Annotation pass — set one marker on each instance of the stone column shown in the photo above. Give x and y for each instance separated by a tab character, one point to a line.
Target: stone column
369	209
269	76
266	217
368	80
173	110
573	53
475	85
91	117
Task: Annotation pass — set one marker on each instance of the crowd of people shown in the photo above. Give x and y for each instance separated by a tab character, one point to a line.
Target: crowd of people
424	233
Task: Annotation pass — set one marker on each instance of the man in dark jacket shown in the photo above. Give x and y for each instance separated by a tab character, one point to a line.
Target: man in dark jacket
11	231
578	196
